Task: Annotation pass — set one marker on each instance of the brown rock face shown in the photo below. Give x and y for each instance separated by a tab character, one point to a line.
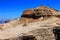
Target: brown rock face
40	11
44	11
26	12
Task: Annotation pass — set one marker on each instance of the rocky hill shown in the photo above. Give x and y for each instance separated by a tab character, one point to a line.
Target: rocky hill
41	23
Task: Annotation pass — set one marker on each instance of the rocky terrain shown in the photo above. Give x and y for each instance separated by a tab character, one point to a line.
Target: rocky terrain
41	23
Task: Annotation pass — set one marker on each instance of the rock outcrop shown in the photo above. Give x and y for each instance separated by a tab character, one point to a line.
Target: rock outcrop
39	13
41	23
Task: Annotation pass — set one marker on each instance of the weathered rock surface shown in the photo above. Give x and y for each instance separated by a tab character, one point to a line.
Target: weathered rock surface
41	23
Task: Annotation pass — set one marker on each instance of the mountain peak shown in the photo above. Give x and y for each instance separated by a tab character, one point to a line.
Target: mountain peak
40	11
46	8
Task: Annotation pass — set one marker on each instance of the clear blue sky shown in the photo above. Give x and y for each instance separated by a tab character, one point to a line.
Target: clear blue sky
14	8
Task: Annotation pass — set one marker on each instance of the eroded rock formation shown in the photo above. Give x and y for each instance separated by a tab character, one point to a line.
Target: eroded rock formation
39	13
41	23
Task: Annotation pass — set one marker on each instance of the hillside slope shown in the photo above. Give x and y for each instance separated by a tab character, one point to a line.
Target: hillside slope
39	22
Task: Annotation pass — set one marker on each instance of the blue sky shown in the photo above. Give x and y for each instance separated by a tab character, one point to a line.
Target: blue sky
12	9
